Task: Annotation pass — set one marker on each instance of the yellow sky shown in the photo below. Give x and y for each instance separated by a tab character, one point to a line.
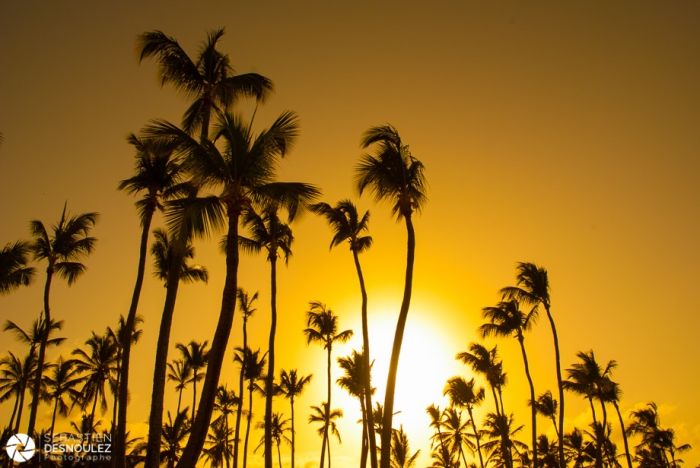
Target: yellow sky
564	134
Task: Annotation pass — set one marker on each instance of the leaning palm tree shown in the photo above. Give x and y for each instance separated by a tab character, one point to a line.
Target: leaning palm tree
243	172
465	394
253	365
61	382
14	271
268	233
393	176
347	225
506	319
291	386
327	418
278	434
485	362
245	304
532	288
354	383
196	355
63	249
16	376
611	392
323	329
400	450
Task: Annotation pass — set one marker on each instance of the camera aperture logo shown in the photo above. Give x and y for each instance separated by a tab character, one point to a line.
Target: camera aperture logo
65	446
20	448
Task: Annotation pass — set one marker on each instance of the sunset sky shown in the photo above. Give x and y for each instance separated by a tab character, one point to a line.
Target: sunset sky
561	133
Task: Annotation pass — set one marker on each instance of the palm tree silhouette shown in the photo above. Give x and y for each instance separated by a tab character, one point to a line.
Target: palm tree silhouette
612	393
455	432
347	225
546	405
532	288
34	335
278	434
467	395
443	457
577	449
172	436
16	375
253	367
64	251
401	451
506	319
327	418
485	362
394	176
164	257
180	372
209	78
62	381
501	444
14	271
196	355
244	172
226	401
656	441
219	442
323	329
292	386
118	337
245	304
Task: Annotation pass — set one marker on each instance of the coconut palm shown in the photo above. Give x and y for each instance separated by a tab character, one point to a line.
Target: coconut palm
548	452
245	304
225	404
393	176
196	355
532	288
278	434
253	366
401	451
354	383
611	393
347	225
164	256
323	329
16	375
14	271
62	381
244	173
485	362
455	432
506	319
545	405
218	445
180	372
444	457
63	249
465	394
268	233
291	386
501	443
118	337
577	449
35	334
327	418
657	443
172	436
208	79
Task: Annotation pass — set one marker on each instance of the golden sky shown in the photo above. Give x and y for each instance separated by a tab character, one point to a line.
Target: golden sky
561	133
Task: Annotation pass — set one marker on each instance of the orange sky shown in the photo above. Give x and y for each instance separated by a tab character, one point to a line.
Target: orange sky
560	133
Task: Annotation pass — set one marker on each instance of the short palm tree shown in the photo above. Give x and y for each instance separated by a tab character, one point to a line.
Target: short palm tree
327	418
218	445
196	355
180	372
501	443
63	249
545	405
393	175
348	226
118	337
61	382
253	366
444	457
225	404
245	304
35	334
657	444
485	362
354	383
291	386
465	394
455	432
577	449
14	271
278	434
506	319
172	435
16	375
532	288
323	329
401	451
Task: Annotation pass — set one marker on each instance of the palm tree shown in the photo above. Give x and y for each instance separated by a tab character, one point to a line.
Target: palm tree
219	442
253	366
269	233
323	329
467	395
394	176
64	251
400	450
506	319
577	449
61	382
209	79
612	393
347	225
546	405
35	334
244	172
180	372
172	435
292	386
500	432
245	304
455	433
444	457
16	375
354	383
548	452
163	252
327	418
485	362
118	337
226	401
656	441
14	271
157	176
278	434
532	288
196	355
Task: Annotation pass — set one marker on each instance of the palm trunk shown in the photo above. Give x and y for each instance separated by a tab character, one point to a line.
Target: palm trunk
476	435
116	396
217	353
293	432
155	421
10	425
328	441
495	399
194	392
19	411
367	366
123	392
521	340
240	402
247	431
624	434
179	400
269	384
279	455
53	419
42	352
396	349
365	435
562	460
327	412
500	395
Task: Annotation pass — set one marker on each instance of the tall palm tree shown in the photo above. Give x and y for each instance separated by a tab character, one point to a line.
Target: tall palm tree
467	395
35	334
278	434
501	443
196	355
226	401
444	457
577	449
323	329
244	173
269	233
180	372
64	249
393	176
61	382
485	362
156	178
327	418
347	225
253	364
219	442
401	451
455	433
16	375
532	288
118	337
546	405
506	319
612	393
354	383
209	79
245	304
291	386
14	271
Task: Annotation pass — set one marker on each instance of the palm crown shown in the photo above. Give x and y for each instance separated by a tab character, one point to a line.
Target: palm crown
346	224
13	270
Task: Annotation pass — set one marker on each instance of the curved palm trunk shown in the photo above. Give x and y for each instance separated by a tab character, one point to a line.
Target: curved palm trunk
327	416
218	349
123	391
269	384
562	460
293	432
365	436
19	411
500	395
53	420
116	395
42	352
367	377
521	340
476	435
247	431
240	401
10	425
155	421
624	434
179	400
396	349
194	392
495	399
